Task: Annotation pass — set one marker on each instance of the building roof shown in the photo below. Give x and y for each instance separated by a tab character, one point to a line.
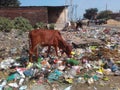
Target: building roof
34	6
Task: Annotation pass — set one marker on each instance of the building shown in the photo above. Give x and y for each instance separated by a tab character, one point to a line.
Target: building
115	16
46	14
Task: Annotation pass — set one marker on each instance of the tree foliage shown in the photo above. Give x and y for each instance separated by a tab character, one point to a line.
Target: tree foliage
9	3
90	13
104	14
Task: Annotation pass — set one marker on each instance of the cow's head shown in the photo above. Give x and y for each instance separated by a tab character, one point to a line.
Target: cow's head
68	50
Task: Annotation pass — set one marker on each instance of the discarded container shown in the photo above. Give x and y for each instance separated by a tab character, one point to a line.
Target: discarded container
72	62
40	59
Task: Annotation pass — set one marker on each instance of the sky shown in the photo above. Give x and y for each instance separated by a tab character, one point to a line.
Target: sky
81	5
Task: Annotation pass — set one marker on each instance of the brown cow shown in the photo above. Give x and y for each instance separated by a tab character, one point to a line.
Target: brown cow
47	38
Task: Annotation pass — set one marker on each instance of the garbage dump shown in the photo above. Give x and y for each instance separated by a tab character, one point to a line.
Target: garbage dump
94	63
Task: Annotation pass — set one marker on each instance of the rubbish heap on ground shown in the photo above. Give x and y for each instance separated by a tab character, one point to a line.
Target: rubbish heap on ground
95	56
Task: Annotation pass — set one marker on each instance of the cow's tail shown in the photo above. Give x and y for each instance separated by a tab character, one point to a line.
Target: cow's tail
29	40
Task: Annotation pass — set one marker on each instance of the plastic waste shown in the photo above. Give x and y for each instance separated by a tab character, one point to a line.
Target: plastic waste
29	65
13	76
24	87
21	81
68	88
69	80
86	76
100	71
3	84
40	59
1	87
90	81
7	88
38	65
5	64
114	68
117	73
61	67
29	72
95	78
54	75
45	64
81	80
105	78
20	71
72	62
15	85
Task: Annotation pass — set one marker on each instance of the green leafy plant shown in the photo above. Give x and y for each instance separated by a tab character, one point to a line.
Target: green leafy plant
6	24
52	26
22	24
40	25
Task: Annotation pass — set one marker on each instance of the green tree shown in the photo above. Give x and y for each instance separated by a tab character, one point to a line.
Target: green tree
9	3
91	13
104	14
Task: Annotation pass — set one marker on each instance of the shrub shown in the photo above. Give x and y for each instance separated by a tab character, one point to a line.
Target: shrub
40	25
6	24
52	26
22	24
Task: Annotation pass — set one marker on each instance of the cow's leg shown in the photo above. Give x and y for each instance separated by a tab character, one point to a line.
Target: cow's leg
56	50
36	53
48	51
33	51
30	55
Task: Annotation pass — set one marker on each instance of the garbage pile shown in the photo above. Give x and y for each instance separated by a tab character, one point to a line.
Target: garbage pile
95	57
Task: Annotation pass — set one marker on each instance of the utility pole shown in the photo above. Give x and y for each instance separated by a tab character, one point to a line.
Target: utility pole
66	11
106	7
76	12
71	10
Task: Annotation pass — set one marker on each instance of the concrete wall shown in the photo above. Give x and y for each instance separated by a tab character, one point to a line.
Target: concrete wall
57	14
34	14
45	14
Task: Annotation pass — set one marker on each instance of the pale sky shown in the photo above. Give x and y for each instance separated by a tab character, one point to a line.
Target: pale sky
82	5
